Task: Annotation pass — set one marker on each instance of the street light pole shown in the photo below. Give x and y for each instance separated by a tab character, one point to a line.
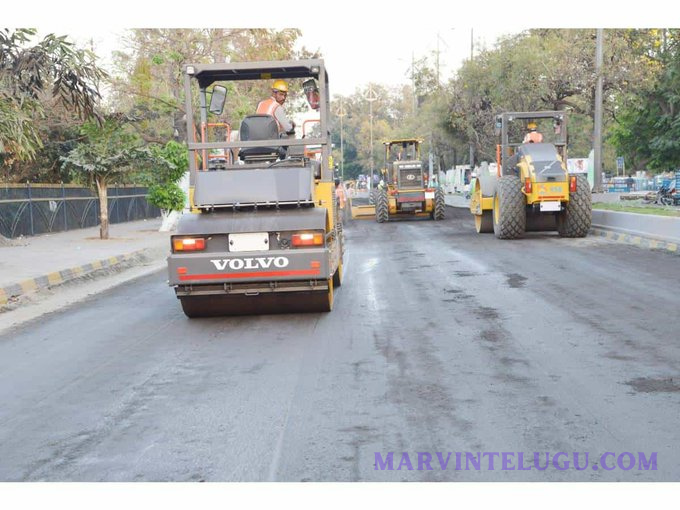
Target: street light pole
370	97
413	79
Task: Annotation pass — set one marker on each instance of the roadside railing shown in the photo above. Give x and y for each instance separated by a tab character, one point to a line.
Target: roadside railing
31	209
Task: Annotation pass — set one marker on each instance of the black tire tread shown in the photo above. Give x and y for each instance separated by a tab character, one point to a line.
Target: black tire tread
512	208
439	211
576	219
382	211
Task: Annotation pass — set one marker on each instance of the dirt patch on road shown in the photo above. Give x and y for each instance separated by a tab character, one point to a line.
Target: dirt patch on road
464	274
490	335
515	281
486	312
659	385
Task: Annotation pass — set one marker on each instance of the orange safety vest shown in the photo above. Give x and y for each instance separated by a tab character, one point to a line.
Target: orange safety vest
533	137
268	107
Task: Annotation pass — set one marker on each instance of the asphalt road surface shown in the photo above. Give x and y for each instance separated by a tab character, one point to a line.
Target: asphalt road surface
441	340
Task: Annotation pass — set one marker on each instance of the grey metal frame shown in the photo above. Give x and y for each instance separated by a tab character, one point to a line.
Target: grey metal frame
416	143
507	117
206	74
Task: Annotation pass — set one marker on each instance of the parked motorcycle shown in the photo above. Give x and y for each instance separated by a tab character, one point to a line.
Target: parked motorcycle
666	195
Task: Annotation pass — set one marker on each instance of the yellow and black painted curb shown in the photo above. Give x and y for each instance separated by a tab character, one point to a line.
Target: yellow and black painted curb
643	242
46	281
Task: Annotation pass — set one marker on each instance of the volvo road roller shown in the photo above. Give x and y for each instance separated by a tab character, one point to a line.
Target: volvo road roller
264	235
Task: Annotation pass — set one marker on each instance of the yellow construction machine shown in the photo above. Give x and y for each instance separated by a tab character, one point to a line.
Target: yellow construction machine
529	187
266	236
405	190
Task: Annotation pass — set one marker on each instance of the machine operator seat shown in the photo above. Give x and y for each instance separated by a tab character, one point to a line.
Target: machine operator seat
260	127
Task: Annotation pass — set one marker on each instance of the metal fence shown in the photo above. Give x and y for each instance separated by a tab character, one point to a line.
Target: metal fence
31	209
621	185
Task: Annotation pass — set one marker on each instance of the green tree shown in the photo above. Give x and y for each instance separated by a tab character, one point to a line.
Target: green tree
647	129
171	162
148	81
108	151
33	75
547	69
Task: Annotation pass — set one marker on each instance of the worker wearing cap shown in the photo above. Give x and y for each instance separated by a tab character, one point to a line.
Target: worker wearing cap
274	106
532	136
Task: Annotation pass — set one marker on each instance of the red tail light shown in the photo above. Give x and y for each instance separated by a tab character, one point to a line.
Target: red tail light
307	239
189	244
527	185
572	184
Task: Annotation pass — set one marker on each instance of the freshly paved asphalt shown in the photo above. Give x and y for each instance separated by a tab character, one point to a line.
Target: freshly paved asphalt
441	340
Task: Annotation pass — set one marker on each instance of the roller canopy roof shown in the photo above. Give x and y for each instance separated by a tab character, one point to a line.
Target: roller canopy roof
233	71
539	151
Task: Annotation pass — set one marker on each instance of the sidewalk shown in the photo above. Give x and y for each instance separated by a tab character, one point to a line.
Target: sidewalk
31	263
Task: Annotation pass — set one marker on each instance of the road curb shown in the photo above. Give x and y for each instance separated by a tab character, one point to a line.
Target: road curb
46	281
643	242
650	226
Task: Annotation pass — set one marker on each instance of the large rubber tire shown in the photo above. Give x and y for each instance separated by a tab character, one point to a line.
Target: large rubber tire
337	276
439	205
577	217
509	208
484	222
371	196
382	207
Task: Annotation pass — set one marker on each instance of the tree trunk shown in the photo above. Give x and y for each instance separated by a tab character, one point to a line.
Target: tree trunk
103	207
169	220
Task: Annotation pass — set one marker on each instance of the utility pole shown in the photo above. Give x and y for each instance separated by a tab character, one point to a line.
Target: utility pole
472	43
597	121
371	96
413	82
437	53
341	113
437	59
472	146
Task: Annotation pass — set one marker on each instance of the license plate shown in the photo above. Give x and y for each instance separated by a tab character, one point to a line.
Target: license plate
429	194
550	206
257	241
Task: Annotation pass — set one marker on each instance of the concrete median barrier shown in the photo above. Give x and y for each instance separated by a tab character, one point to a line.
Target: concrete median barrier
662	228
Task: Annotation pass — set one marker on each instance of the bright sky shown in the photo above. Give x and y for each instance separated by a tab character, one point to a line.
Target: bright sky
386	62
361	41
387	58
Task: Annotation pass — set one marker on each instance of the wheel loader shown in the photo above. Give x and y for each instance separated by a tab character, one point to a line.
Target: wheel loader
264	235
528	188
404	190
